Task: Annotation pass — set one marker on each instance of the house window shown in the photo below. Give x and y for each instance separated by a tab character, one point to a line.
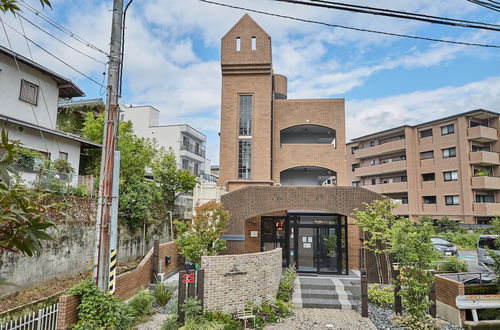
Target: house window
355	183
426	133
450	176
29	92
404	178
485	147
354	167
185	164
427	155
429	199
245	115
238	44
404	200
353	150
254	43
63	155
196	168
451	200
447	129
374	182
372	143
428	177
245	159
449	152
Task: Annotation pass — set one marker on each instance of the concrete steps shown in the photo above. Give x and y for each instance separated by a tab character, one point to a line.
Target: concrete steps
333	293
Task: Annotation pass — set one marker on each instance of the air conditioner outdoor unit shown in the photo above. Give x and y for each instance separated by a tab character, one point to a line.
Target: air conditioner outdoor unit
277	184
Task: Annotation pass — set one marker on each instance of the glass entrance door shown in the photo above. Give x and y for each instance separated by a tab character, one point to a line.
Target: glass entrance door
274	235
318	249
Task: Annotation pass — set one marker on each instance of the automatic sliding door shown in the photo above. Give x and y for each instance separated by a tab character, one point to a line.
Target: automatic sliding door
328	250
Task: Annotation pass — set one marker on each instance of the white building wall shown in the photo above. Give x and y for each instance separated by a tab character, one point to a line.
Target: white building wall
45	112
31	138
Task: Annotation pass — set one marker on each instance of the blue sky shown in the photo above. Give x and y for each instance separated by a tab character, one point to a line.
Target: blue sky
172	58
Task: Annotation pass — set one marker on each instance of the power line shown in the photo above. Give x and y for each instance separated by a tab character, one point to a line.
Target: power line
54	56
61	41
393	14
61	28
493	5
440	18
351	28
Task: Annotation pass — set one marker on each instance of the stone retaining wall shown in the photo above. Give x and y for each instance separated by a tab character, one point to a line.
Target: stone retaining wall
232	280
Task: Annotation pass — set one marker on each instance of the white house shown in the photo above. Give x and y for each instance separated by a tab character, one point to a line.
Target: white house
187	143
29	95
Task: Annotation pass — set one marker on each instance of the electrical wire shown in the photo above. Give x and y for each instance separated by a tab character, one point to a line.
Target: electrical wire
351	28
54	56
492	5
61	41
61	28
408	15
393	14
123	48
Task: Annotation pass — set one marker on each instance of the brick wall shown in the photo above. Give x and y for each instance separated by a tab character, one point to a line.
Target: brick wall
232	280
67	313
127	284
447	290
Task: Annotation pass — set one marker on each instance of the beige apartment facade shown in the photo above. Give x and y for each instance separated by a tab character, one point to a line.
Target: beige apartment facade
444	168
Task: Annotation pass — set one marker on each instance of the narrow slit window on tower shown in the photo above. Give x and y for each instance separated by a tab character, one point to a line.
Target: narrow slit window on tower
254	43
245	115
238	44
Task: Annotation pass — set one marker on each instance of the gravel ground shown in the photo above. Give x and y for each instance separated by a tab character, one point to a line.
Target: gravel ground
315	318
154	322
381	317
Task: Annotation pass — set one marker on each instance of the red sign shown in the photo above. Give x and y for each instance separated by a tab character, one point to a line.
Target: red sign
188	276
191	280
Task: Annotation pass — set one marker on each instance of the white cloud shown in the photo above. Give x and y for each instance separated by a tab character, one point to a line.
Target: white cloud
372	115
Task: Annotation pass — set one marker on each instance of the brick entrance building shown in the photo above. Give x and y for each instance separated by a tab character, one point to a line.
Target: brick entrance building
282	162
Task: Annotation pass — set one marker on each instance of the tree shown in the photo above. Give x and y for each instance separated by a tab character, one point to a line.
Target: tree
171	182
136	154
203	236
376	220
23	221
412	248
11	5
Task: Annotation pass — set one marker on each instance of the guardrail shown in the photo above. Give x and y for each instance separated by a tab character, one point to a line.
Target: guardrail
475	302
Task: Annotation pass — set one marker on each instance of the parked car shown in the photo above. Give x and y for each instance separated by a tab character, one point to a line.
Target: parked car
485	243
444	246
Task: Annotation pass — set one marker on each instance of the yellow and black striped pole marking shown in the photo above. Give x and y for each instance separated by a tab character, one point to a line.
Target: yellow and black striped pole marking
112	273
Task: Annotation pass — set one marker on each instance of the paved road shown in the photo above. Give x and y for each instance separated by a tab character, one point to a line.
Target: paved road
471	258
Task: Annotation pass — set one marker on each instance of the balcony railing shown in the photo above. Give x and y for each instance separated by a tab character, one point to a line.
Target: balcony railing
486	208
486	182
484	158
191	147
386	188
389	167
482	134
381	149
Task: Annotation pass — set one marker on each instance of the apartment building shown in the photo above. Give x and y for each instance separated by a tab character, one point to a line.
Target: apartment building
267	139
446	167
187	143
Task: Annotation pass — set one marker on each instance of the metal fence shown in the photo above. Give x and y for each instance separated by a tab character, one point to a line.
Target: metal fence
43	319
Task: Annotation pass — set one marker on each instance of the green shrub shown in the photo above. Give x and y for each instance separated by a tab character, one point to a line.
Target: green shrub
98	310
445	224
489	314
162	294
192	308
170	323
271	311
285	289
452	265
225	319
490	288
414	323
381	295
463	240
200	323
141	303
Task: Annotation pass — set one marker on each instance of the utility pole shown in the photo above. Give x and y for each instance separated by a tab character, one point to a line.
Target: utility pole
107	208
